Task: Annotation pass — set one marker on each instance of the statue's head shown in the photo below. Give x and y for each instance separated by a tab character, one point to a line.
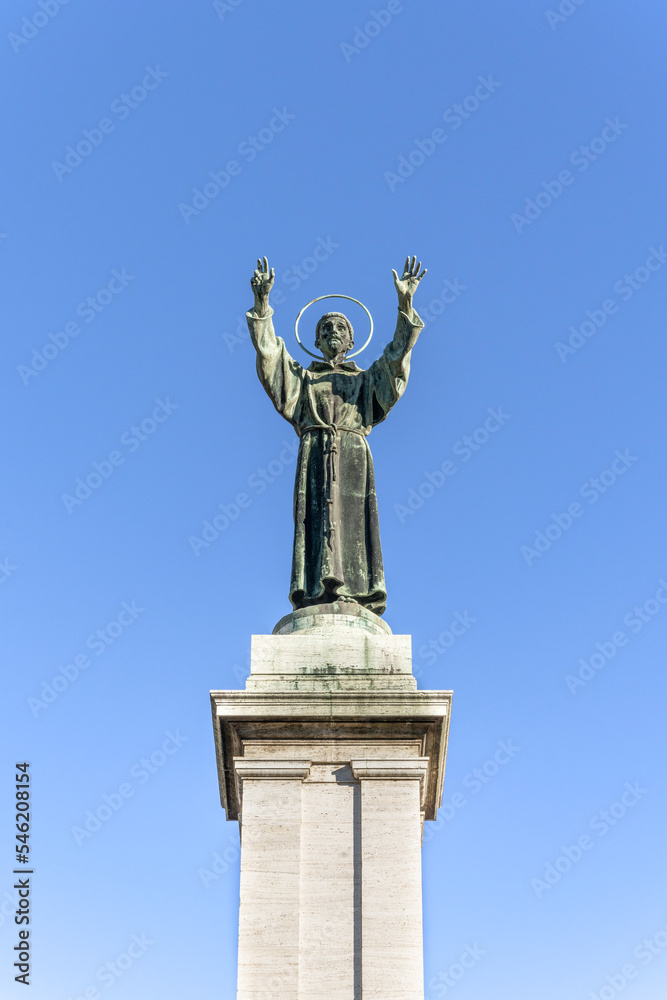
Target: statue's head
334	335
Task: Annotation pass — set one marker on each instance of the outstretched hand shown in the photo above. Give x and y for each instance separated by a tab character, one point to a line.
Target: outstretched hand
407	284
262	283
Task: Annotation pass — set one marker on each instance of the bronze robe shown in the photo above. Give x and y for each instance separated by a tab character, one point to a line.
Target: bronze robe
337	550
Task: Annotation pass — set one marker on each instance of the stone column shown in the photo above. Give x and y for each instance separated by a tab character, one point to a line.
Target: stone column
391	877
328	890
331	760
270	905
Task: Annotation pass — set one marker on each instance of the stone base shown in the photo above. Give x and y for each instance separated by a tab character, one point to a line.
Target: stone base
321	616
315	649
332	759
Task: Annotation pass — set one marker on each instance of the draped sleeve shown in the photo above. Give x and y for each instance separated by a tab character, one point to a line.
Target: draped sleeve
388	376
279	373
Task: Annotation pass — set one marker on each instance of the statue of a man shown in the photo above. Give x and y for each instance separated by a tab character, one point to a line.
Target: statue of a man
333	405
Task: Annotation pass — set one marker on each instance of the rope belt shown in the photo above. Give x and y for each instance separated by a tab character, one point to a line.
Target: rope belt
331	456
332	443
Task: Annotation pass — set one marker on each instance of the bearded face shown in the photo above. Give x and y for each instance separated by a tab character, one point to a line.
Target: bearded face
334	336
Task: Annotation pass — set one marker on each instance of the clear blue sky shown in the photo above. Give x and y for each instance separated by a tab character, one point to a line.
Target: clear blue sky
521	156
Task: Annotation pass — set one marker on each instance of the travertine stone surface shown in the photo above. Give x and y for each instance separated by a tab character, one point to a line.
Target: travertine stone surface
269	914
327	885
391	919
337	658
331	759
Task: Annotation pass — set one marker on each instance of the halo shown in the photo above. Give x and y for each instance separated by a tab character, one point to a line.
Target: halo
319	299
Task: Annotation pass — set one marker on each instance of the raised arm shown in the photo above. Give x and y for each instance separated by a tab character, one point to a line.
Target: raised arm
409	324
388	376
278	372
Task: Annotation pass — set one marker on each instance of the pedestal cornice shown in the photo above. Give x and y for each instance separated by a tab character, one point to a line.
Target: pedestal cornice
331	718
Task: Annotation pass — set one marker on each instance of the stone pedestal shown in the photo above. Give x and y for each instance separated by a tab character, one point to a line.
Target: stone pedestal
331	760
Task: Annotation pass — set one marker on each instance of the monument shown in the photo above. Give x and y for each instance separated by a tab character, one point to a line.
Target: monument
331	759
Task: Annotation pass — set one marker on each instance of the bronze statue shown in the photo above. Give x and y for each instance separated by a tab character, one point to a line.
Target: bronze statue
333	405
